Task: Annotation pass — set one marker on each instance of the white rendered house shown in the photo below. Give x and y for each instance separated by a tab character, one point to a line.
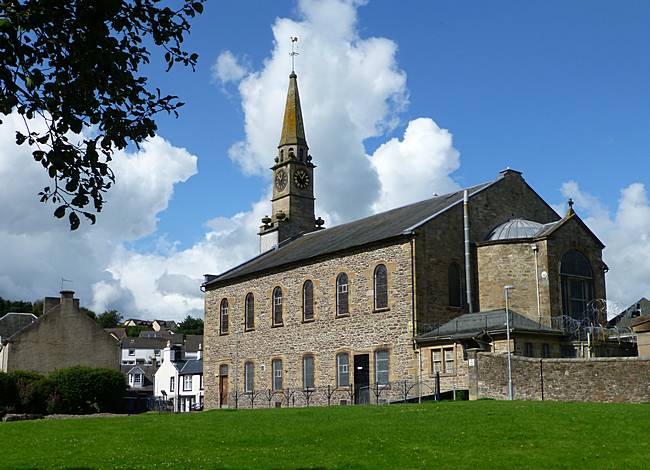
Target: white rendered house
180	381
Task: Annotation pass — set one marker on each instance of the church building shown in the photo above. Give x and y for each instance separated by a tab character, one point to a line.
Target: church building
356	312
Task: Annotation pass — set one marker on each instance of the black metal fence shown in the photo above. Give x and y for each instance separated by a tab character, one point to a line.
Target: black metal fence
400	391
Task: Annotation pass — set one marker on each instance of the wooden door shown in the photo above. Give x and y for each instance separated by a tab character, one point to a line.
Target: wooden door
223	386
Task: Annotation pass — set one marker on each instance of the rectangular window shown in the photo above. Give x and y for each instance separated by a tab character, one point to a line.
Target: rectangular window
157	352
343	370
308	372
171	384
546	352
528	349
187	383
381	367
131	352
136	378
449	360
276	367
249	377
436	360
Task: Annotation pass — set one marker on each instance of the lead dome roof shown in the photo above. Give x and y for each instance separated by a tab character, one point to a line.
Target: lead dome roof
516	228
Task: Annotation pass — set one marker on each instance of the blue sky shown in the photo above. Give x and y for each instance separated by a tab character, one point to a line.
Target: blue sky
400	99
559	90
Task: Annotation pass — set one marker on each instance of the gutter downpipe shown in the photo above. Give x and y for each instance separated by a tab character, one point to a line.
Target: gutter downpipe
416	346
468	253
539	308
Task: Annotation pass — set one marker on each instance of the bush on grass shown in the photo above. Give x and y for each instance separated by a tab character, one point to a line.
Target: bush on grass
84	390
33	391
8	394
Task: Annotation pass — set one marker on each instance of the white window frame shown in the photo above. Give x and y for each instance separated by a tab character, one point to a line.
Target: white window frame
185	383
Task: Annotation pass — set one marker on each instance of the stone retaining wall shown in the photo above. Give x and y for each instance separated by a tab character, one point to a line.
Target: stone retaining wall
612	379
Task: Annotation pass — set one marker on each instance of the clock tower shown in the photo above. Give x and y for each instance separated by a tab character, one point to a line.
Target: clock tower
292	204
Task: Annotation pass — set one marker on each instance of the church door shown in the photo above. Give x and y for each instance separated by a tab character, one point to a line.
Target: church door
223	386
361	379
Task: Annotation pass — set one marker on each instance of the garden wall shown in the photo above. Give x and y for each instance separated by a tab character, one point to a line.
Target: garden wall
611	379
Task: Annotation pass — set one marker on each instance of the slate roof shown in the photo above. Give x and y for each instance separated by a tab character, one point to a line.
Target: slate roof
192	342
192	367
376	228
13	322
149	372
470	325
625	318
143	343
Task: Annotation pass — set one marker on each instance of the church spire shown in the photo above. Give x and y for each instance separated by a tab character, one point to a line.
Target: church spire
293	129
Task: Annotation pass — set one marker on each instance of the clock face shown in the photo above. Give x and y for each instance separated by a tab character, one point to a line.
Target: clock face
301	178
280	179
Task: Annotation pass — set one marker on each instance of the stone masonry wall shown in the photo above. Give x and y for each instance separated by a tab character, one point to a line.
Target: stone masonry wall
363	331
440	242
620	379
63	337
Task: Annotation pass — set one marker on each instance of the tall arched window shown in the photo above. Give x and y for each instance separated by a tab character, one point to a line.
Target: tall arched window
277	306
342	306
224	317
249	312
577	284
249	377
308	372
455	285
276	369
381	287
308	301
342	370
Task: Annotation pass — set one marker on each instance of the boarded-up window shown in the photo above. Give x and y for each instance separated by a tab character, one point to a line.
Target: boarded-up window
455	285
308	372
308	301
249	312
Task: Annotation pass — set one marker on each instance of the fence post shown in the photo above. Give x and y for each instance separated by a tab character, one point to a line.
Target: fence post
437	395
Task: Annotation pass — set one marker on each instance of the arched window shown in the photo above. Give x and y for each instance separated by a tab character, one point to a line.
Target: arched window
224	317
381	287
308	301
249	312
249	377
308	372
455	285
277	306
342	370
577	284
381	367
342	307
276	369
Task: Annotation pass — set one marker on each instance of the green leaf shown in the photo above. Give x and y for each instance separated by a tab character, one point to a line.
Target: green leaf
74	221
59	212
198	7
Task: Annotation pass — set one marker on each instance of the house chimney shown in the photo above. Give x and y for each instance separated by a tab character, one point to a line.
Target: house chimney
199	353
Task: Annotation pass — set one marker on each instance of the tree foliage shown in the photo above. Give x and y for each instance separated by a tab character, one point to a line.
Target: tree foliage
75	65
190	326
109	319
18	306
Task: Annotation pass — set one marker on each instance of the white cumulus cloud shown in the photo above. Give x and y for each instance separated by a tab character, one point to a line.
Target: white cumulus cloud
227	68
626	232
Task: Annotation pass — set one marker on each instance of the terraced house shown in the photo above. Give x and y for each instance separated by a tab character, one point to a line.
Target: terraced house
357	312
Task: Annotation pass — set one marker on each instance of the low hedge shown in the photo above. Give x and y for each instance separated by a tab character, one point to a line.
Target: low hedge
75	390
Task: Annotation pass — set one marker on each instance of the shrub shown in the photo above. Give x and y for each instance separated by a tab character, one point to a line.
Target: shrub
8	393
34	390
84	390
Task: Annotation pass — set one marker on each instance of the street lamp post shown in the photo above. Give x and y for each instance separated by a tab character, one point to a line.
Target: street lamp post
506	289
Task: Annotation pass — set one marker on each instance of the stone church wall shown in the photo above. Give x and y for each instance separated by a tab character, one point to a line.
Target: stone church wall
440	243
362	331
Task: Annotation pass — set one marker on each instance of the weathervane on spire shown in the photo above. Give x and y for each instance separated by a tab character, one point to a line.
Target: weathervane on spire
293	53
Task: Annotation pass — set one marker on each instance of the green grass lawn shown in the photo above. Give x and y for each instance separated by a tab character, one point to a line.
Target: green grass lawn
484	434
